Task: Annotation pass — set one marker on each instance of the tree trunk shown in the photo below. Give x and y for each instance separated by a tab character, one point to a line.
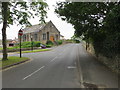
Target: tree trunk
5	17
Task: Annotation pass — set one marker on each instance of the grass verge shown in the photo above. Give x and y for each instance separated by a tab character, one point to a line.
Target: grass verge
39	50
12	60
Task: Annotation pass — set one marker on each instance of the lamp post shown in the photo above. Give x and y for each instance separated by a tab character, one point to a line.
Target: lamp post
31	42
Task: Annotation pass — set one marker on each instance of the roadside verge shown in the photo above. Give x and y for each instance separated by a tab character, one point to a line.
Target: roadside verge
12	61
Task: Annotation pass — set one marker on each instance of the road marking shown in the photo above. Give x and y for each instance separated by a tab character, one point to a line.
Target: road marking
33	72
54	58
71	67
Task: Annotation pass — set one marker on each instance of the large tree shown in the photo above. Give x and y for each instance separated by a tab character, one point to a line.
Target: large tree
91	19
19	13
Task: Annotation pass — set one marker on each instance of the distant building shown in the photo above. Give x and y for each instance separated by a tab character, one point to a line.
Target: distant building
62	37
11	42
41	32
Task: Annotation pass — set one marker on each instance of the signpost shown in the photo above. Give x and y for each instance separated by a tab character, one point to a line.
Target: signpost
31	42
20	33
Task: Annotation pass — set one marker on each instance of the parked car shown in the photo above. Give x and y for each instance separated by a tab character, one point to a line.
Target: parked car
43	46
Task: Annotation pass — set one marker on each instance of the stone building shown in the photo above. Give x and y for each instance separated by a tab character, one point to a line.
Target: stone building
41	32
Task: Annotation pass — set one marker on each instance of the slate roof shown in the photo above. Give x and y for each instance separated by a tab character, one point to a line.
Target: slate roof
34	28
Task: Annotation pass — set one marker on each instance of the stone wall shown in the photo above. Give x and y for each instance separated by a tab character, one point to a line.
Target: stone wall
112	63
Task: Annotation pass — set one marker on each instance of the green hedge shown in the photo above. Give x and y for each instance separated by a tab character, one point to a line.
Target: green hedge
28	44
59	42
49	42
48	46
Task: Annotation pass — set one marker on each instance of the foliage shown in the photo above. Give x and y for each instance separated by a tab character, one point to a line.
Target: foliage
98	22
19	13
22	12
59	42
49	42
29	44
36	43
77	41
48	46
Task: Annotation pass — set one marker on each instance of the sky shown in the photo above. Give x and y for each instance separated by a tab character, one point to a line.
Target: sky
65	28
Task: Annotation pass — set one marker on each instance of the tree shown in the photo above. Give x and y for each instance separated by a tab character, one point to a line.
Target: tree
5	17
91	19
85	17
20	13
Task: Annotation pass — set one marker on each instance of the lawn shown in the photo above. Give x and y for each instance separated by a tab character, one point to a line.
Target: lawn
1	48
39	50
12	60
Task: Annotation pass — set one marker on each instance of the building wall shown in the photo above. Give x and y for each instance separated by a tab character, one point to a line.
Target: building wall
52	32
42	34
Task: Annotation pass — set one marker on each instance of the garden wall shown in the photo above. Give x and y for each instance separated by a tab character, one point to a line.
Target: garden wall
112	63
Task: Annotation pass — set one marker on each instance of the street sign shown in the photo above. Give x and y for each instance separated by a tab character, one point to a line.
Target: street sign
20	32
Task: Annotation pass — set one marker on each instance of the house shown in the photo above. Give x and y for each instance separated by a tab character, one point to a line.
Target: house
41	32
11	42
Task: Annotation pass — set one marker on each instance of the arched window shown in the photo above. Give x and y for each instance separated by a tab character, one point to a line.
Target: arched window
35	37
44	36
24	37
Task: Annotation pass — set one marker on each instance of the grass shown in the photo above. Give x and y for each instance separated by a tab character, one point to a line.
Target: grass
39	50
12	60
10	48
1	48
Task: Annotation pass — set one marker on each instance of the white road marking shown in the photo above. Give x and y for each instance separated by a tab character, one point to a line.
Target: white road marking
33	72
53	59
43	66
71	67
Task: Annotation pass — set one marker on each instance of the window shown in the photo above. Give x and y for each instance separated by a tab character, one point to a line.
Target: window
35	37
27	37
44	36
47	35
24	37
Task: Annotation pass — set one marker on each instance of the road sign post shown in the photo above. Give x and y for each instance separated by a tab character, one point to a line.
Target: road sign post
31	42
20	34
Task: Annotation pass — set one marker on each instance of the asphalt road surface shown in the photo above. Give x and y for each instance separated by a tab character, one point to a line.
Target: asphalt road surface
63	67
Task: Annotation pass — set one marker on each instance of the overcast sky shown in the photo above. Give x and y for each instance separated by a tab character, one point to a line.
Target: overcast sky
65	29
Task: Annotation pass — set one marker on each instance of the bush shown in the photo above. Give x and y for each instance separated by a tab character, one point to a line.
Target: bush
25	44
36	44
48	46
49	42
59	42
28	44
77	41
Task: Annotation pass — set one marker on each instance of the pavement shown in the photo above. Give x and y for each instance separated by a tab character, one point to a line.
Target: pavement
66	66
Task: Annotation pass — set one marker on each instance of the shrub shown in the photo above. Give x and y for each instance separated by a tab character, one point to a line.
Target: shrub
28	44
49	42
25	44
59	42
77	41
36	44
48	46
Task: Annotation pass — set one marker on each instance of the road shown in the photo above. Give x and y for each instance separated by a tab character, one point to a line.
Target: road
63	67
